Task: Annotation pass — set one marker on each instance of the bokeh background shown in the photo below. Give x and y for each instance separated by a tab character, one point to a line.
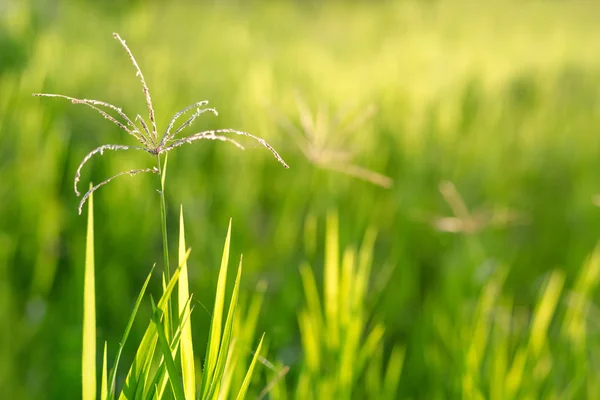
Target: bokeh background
494	104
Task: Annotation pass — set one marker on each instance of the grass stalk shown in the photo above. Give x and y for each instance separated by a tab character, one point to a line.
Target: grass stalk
162	174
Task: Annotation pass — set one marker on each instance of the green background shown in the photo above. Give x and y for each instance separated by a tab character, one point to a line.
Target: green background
502	99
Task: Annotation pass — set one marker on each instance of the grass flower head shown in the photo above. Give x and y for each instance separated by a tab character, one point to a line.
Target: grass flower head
147	134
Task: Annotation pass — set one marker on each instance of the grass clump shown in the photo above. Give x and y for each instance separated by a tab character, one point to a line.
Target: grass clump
341	346
155	367
165	355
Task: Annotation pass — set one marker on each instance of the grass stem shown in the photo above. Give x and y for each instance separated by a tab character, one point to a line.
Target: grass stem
162	173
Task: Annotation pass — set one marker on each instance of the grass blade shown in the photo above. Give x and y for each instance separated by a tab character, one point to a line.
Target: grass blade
145	353
246	383
332	281
88	357
187	348
544	312
113	376
104	383
393	372
214	340
166	352
175	343
226	339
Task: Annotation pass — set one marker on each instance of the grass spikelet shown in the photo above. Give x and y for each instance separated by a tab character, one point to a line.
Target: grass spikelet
144	86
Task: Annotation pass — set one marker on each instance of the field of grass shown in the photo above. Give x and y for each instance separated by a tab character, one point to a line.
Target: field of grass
465	137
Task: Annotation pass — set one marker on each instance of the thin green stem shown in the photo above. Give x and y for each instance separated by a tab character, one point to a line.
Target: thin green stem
163	217
162	171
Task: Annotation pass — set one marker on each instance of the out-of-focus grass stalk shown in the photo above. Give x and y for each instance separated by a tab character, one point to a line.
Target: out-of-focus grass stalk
341	347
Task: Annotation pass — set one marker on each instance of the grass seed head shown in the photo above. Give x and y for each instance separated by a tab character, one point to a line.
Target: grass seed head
147	134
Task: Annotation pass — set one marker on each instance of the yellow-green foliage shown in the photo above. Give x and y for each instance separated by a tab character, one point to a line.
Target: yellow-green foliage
340	345
154	366
499	98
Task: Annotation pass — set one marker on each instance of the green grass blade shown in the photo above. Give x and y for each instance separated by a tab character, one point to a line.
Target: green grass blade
163	344
347	283
248	328
332	281
153	390
393	373
167	308
145	353
246	383
175	344
311	341
363	273
348	355
214	340
141	366
231	365
311	293
369	346
544	311
113	376
226	339
104	381
187	348
88	356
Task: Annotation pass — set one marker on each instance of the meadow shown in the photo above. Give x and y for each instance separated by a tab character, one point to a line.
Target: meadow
452	146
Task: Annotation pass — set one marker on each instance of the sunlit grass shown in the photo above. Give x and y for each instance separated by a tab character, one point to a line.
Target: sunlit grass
495	98
154	367
341	347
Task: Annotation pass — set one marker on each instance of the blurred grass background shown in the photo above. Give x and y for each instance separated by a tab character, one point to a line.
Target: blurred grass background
501	98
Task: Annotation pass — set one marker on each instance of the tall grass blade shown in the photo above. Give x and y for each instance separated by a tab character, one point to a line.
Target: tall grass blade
160	380
393	372
231	366
544	312
142	363
187	347
104	382
311	292
175	342
226	338
332	281
136	306
88	358
214	339
347	284
369	346
246	383
166	352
